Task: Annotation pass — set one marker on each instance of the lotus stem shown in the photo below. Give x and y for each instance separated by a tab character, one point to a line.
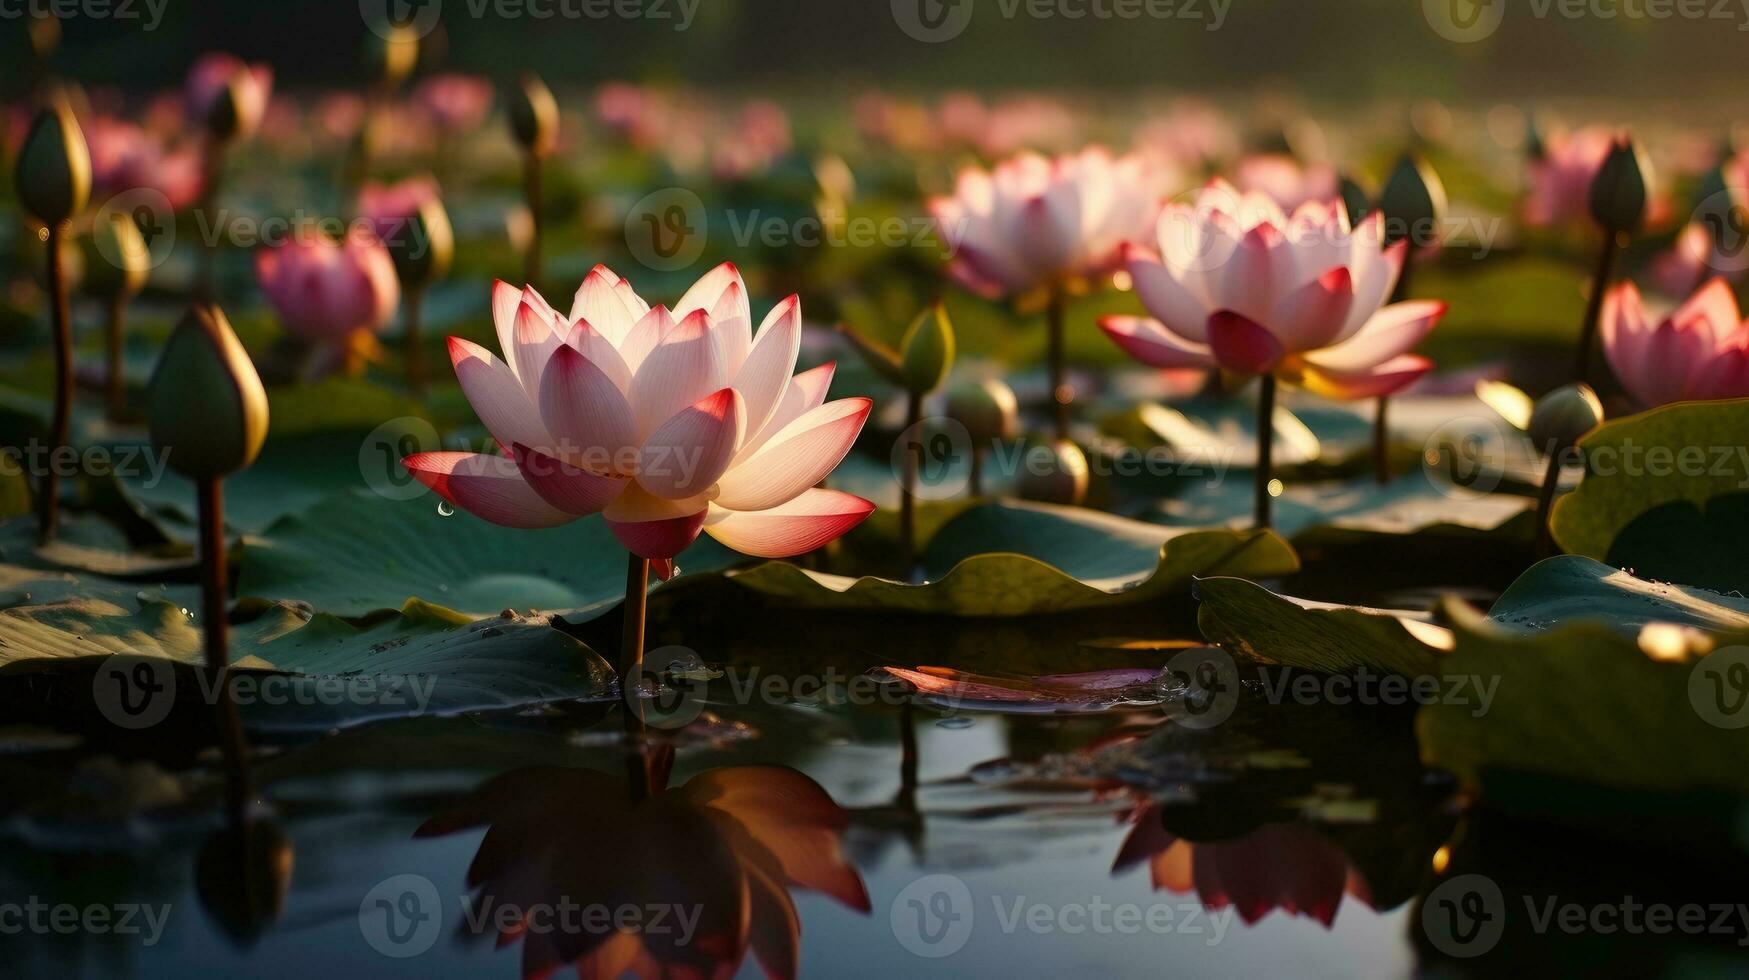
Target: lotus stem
412	310
1612	243
1545	505
531	189
214	602
115	390
212	175
977	481
1265	448
49	504
908	482
1061	393
1381	426
639	779
631	646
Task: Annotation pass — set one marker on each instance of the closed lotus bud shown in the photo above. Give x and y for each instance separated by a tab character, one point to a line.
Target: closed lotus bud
534	116
926	353
1618	192
1355	199
1054	473
1413	202
425	247
224	118
1563	415
242	875
207	409
391	59
53	172
988	410
116	258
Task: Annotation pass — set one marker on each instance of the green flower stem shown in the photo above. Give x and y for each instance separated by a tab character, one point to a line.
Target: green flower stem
215	600
1061	394
1265	448
908	482
412	328
531	189
115	389
1545	506
1612	244
49	501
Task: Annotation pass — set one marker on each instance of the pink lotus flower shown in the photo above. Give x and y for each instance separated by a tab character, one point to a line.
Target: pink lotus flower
387	207
1241	286
1285	180
1035	222
665	423
327	291
1700	352
125	157
213	72
456	103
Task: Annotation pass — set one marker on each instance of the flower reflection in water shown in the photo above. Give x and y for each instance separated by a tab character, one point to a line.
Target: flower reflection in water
723	851
1287	866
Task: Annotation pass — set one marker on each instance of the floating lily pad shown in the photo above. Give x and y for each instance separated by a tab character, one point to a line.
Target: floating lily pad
357	553
420	660
1666	494
1586	702
1247	618
1015	559
1410	503
1572	588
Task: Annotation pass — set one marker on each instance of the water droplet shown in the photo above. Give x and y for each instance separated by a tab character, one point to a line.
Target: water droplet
957	721
444	509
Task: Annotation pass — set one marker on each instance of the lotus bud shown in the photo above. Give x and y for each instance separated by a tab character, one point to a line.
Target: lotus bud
1534	147
242	875
424	247
1563	415
53	172
207	409
116	258
224	118
534	116
392	58
1355	199
1618	192
988	410
926	353
1053	474
1413	202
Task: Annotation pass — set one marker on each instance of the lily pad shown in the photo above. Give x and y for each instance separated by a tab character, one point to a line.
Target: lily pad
1410	503
1666	493
1247	618
357	553
327	672
1585	702
1019	559
1569	588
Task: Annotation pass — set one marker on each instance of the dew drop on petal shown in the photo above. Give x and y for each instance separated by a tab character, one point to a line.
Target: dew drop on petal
444	509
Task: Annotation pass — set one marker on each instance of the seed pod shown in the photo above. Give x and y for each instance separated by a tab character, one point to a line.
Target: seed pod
1563	415
988	410
53	172
207	410
1054	473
